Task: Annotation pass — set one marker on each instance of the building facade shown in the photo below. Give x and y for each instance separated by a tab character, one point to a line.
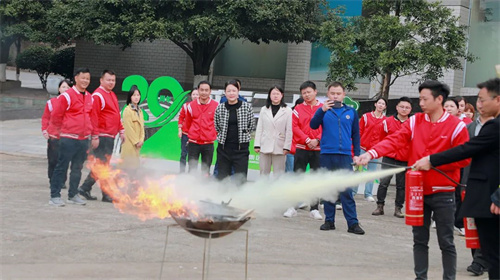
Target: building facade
261	66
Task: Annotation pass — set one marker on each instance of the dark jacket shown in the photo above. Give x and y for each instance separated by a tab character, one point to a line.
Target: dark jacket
484	176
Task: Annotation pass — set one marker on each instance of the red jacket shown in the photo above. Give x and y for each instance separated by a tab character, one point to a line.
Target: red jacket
369	130
72	116
425	138
199	121
302	131
388	127
49	107
182	119
107	113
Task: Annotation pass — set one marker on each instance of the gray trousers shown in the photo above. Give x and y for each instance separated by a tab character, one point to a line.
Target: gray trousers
443	206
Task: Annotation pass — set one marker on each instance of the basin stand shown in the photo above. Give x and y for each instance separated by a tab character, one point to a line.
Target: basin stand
206	249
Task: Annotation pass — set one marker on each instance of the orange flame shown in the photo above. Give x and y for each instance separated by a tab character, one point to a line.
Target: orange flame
145	198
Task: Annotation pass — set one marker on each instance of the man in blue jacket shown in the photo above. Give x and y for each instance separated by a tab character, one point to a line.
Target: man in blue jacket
340	134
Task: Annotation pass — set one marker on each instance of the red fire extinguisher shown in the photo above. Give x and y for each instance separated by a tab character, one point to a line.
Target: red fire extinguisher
414	198
471	237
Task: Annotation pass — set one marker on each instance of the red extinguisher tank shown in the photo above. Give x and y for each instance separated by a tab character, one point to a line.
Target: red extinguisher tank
471	237
414	198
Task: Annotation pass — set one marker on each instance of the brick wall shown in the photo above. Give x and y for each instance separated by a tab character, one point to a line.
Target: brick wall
148	59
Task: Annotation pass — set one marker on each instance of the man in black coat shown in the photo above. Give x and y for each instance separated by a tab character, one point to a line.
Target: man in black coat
483	183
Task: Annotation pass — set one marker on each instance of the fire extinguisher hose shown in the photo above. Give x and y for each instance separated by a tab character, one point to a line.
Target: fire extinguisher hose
409	167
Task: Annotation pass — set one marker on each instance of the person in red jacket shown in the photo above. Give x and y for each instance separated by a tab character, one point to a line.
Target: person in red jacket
52	142
183	132
307	150
107	113
426	133
73	124
200	126
399	157
290	157
369	131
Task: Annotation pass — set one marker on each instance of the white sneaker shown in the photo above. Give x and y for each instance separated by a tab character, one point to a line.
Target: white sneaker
56	201
302	205
370	199
433	225
315	215
76	200
338	206
290	212
461	231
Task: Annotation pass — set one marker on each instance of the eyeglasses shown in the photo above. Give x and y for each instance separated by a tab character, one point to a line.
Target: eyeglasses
404	108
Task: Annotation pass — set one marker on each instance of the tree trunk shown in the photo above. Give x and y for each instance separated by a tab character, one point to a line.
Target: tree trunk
386	85
3	72
4	56
18	51
198	78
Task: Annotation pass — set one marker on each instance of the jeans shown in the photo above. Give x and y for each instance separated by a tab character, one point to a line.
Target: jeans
184	152
335	162
301	159
289	163
103	153
443	206
372	166
74	151
230	158
206	151
52	157
400	183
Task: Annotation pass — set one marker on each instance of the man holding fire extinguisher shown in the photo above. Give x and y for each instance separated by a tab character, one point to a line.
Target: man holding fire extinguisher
482	192
426	133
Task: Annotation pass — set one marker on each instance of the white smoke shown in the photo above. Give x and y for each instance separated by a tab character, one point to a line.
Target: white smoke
270	197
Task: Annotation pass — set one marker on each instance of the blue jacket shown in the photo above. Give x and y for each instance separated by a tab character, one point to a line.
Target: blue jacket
340	132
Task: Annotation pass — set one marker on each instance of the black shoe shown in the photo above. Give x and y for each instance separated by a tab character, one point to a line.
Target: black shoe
63	187
86	194
327	226
356	229
476	269
106	198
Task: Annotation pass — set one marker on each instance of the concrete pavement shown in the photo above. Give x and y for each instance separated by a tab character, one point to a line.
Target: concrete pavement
96	241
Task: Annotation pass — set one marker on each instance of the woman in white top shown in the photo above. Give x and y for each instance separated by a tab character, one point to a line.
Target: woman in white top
273	137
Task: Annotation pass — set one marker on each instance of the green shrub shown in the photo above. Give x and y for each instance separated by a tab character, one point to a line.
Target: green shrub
63	62
37	58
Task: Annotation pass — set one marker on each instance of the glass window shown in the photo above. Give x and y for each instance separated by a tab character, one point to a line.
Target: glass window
484	41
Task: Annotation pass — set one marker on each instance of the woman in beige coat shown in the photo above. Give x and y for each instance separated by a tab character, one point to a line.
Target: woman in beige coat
273	138
133	123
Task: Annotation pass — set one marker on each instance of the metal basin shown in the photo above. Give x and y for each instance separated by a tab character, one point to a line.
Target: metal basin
216	220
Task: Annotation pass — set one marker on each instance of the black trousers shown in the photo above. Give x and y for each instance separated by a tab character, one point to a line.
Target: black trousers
206	151
488	231
459	222
103	153
400	183
229	157
301	159
443	206
184	153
